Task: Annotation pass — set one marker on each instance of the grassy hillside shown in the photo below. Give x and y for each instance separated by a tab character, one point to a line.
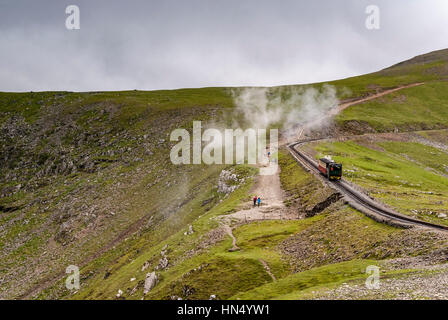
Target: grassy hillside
424	68
304	255
407	175
83	171
418	108
85	179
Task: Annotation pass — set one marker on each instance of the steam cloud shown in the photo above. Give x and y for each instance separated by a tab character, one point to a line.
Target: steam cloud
288	109
292	110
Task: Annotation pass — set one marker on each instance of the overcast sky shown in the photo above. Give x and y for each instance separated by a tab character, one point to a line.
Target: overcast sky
195	43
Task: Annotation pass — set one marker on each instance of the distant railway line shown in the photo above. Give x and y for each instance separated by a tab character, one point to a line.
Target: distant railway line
361	201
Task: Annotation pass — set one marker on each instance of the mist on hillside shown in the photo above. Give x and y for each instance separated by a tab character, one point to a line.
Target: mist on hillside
287	109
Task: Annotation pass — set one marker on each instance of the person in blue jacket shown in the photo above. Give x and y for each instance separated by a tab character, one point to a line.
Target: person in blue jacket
258	201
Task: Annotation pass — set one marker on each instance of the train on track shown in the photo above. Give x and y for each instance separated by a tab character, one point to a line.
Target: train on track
366	204
330	169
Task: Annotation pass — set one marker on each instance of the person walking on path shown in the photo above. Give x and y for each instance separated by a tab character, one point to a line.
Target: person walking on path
255	201
259	201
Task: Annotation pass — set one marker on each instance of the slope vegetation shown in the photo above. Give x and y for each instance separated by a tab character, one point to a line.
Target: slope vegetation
86	180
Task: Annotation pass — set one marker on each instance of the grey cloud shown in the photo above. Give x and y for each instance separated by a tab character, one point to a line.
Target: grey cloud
171	44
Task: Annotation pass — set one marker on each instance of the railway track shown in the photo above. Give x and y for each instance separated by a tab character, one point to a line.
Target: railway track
363	202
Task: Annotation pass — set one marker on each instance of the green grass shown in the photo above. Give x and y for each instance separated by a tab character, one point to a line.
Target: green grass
295	285
71	125
416	108
74	126
426	156
223	273
407	176
303	190
147	247
326	237
437	136
308	284
259	240
131	105
389	78
240	274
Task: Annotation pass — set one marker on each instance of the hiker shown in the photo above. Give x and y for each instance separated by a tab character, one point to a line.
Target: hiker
259	201
269	154
255	201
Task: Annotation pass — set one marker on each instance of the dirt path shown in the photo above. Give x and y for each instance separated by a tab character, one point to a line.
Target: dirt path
267	187
228	229
371	97
350	103
268	270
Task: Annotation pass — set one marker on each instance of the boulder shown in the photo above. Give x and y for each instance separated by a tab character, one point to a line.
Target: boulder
150	282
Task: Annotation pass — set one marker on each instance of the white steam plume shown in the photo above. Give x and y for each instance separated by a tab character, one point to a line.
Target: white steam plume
289	109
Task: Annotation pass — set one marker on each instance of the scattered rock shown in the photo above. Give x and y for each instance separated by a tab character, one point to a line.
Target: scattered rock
145	265
228	182
150	282
190	231
163	264
187	291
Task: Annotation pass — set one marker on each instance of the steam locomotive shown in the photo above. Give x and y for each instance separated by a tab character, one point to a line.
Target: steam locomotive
330	169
